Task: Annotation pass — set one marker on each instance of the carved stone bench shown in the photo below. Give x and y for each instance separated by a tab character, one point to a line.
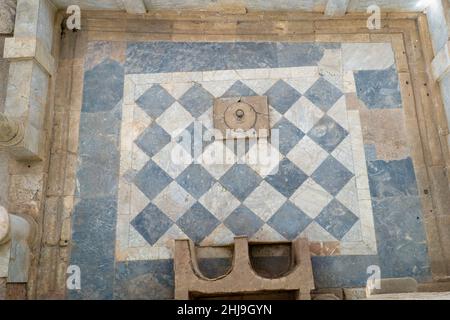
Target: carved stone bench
241	279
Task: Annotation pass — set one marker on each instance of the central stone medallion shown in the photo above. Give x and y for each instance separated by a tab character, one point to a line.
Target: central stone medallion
242	117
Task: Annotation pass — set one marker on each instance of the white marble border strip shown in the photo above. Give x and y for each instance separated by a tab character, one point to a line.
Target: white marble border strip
368	245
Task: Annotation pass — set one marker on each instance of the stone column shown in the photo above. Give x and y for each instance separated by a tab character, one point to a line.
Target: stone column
31	66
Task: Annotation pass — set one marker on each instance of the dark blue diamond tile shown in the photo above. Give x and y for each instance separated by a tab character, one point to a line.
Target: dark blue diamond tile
195	180
332	175
327	133
336	219
289	221
238	89
155	101
151	223
240	180
282	96
151	180
153	139
323	94
197	100
289	135
379	89
197	223
195	137
243	222
287	179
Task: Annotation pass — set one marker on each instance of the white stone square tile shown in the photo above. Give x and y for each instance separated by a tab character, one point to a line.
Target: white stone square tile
175	119
173	159
174	201
265	201
304	114
307	155
311	198
219	201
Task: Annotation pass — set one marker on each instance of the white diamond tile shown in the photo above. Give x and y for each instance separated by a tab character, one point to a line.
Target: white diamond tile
265	201
175	119
274	116
339	112
135	239
263	158
354	234
217	159
206	119
348	196
141	120
302	84
219	201
174	201
307	155
344	154
173	159
304	114
139	158
217	88
167	240
138	201
220	236
177	90
311	198
267	233
314	232
260	86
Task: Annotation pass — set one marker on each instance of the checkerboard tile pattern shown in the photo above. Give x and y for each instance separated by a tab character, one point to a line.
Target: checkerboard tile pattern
314	185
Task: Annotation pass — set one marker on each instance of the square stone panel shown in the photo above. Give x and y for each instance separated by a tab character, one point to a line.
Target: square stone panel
242	117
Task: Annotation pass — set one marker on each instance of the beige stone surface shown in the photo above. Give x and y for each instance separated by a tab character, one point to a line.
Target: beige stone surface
7	16
412	296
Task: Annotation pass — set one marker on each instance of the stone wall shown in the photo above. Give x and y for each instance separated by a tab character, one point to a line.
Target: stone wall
4	176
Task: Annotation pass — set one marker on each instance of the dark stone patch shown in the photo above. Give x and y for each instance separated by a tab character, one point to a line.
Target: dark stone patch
151	180
342	271
93	245
214	267
289	135
153	139
197	100
103	86
379	89
238	89
323	94
196	180
282	96
144	280
392	178
401	239
336	219
155	101
327	133
298	55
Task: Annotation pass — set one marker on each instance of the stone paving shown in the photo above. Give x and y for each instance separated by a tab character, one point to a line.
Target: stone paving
330	177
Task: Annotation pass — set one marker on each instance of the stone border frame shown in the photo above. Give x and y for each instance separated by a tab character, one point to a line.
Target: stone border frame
424	112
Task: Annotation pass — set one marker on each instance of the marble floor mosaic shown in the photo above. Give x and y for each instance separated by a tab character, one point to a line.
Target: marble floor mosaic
339	171
315	185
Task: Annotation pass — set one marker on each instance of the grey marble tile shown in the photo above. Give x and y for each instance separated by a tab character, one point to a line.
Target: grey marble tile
332	175
243	222
197	223
151	223
288	178
240	180
371	152
196	180
250	55
197	100
282	96
103	86
289	221
155	101
323	94
379	89
151	180
327	133
153	139
289	135
392	178
336	219
144	280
